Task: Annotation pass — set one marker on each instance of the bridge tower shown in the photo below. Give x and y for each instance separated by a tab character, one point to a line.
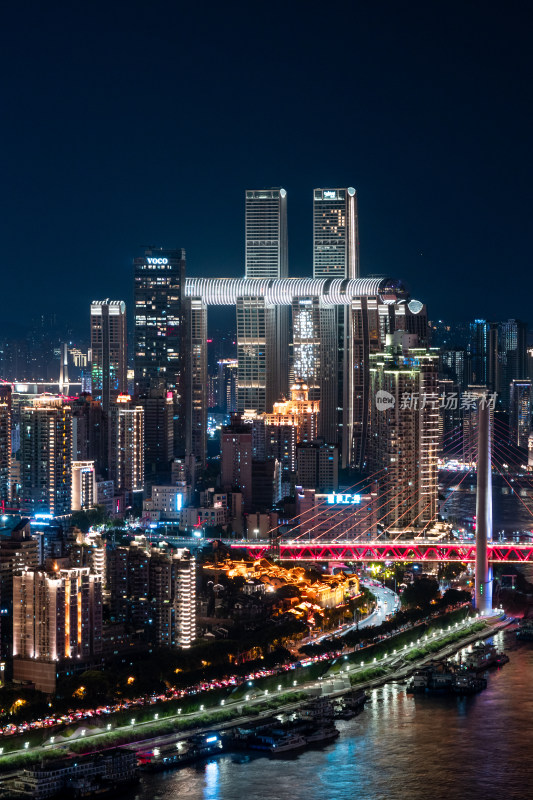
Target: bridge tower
483	510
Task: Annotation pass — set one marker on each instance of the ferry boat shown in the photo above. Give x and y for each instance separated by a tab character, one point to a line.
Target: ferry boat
292	743
483	656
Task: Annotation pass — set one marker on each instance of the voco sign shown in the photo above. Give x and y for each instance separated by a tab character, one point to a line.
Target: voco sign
157	260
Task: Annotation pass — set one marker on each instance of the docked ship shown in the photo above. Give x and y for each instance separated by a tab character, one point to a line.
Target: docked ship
101	775
182	752
313	725
292	743
350	705
443	677
483	656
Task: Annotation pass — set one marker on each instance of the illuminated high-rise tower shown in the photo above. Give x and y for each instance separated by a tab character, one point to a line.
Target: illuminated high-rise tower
335	234
160	330
262	330
5	444
336	256
46	456
404	431
108	346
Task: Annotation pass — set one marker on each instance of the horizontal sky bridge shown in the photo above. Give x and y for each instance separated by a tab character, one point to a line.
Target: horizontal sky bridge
282	291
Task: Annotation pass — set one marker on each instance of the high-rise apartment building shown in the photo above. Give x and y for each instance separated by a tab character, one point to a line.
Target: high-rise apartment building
158	405
317	466
57	617
520	412
89	432
126	456
262	329
404	432
186	598
108	348
46	456
84	493
154	589
227	385
18	550
160	329
236	459
5	445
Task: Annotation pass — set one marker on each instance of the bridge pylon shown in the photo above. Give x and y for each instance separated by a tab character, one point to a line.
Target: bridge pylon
483	580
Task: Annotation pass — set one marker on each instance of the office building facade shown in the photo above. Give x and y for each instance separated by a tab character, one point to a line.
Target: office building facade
336	255
262	328
160	336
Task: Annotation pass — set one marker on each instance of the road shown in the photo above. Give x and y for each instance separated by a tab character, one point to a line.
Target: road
388	602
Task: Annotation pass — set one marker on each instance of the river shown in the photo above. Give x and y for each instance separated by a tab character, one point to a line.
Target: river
400	747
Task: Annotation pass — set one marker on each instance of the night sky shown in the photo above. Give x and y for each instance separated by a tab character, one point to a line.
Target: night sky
129	123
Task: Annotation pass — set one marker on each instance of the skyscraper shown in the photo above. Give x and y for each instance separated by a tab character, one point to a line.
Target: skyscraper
336	255
5	444
317	466
520	412
266	249
236	459
45	456
335	234
227	385
160	329
89	432
126	459
158	406
512	355
262	330
108	346
196	398
56	617
404	430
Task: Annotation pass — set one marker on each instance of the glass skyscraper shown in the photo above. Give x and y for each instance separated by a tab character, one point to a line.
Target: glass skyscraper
160	330
336	255
108	347
262	330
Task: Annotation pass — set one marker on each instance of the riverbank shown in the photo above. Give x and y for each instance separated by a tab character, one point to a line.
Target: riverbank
391	668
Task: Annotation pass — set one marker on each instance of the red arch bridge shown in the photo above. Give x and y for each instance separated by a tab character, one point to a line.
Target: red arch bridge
416	550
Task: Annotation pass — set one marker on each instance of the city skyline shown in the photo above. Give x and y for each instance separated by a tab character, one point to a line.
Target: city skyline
411	112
